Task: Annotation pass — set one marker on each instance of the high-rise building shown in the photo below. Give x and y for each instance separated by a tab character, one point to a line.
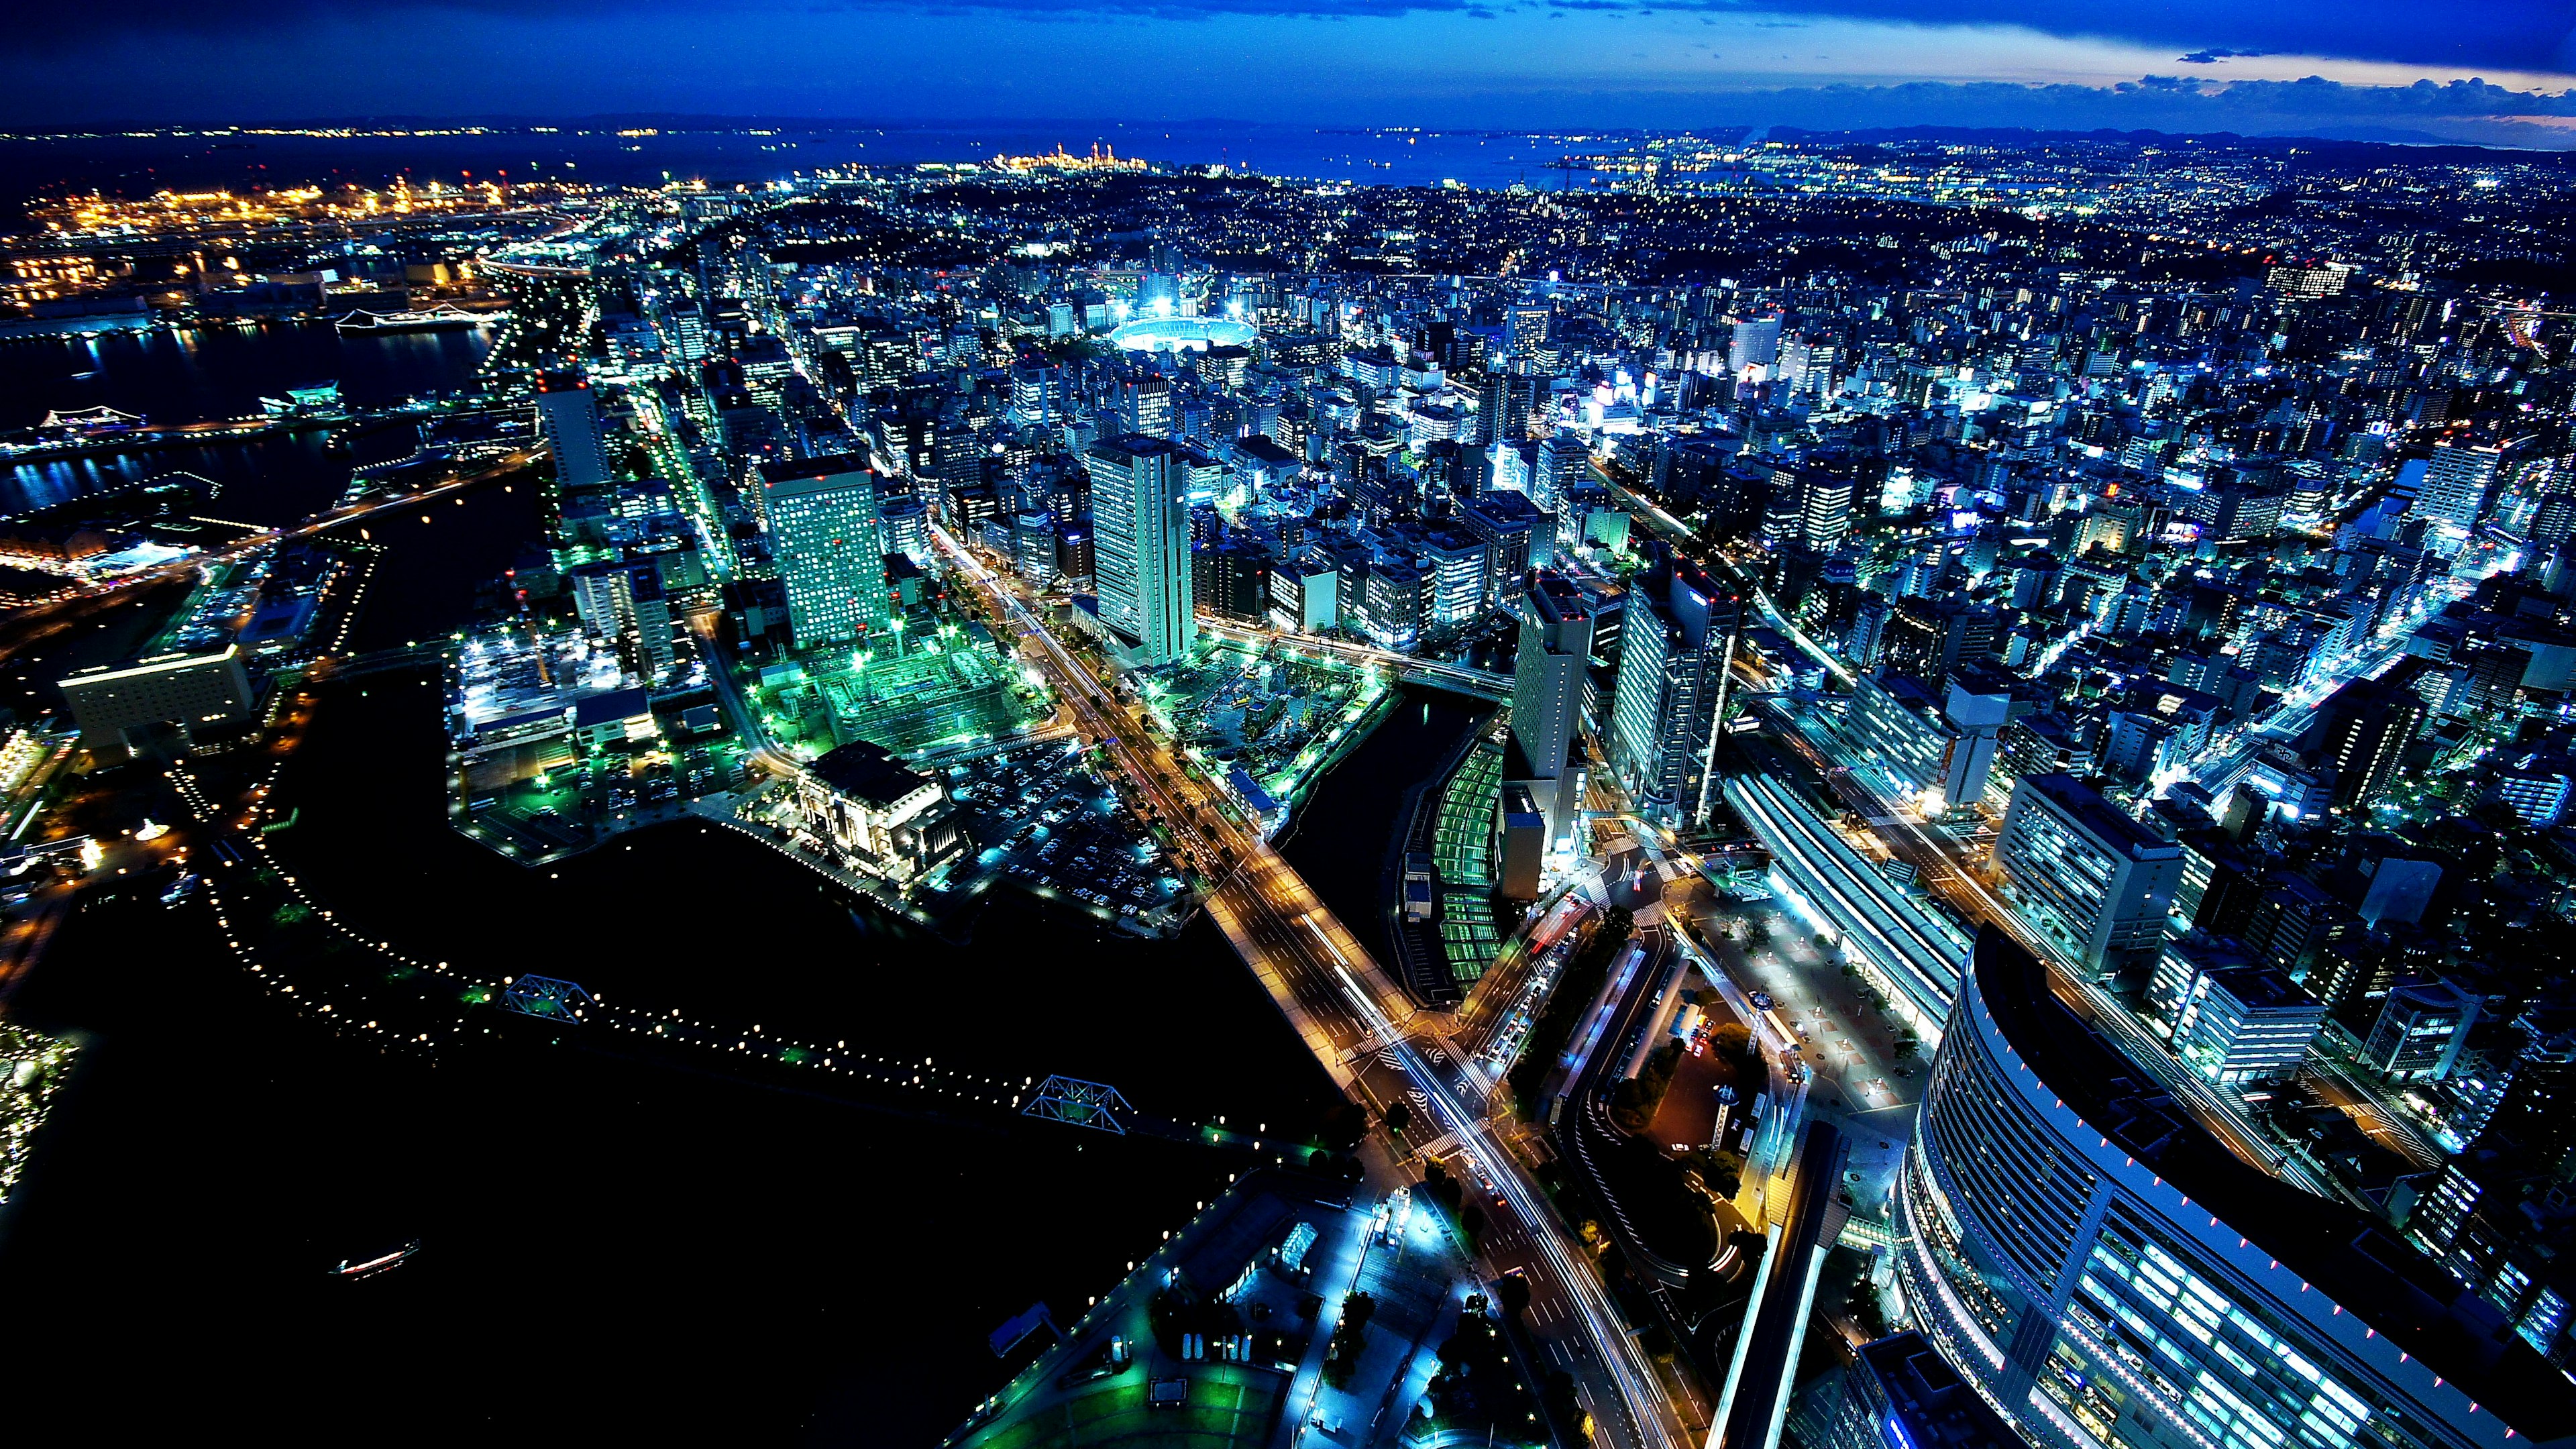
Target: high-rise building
1899	1393
2109	1275
2361	733
1516	533
1140	545
1982	698
2087	876
2420	1031
1752	344
1564	463
2236	1021
2459	486
1677	643
830	545
569	416
1547	694
1145	405
1454	563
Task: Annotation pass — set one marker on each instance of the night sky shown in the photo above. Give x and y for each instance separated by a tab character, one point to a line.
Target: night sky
2391	69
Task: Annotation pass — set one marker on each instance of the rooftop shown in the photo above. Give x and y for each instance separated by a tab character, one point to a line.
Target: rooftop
2395	1290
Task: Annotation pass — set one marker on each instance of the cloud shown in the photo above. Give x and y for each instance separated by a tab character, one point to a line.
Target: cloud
2468	111
2528	36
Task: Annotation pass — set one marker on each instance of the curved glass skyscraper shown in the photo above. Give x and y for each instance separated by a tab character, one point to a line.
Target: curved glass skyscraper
2108	1274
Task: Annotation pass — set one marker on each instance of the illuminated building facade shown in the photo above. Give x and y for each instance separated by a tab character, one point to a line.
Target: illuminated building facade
2085	874
830	542
1140	545
2109	1276
1676	644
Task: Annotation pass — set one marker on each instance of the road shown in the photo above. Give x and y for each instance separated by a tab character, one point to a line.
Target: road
1485	683
1356	1021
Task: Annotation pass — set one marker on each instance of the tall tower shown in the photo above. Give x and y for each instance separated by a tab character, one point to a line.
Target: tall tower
1676	643
830	543
2458	486
1547	693
570	419
1140	545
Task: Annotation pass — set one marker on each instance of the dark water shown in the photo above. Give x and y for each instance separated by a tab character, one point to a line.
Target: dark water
221	373
1339	841
139	166
611	1246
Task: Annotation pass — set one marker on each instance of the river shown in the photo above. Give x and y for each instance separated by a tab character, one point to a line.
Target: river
612	1247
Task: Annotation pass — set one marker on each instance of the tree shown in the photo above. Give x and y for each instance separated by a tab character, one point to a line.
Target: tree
1399	1117
1513	1293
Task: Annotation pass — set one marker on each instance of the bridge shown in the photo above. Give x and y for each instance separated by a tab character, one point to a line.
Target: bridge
1460	678
98	431
1077	1103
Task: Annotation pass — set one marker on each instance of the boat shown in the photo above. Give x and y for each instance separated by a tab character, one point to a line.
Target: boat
445	315
381	1263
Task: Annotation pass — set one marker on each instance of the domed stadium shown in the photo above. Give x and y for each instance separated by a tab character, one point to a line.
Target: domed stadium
1181	334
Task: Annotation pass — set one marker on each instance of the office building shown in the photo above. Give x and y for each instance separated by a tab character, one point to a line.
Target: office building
1547	697
1677	642
568	415
1899	1393
2236	1020
1455	563
2108	1275
2361	734
2421	1027
1899	727
2090	878
1517	536
121	708
2459	487
1981	699
830	544
1304	592
1140	545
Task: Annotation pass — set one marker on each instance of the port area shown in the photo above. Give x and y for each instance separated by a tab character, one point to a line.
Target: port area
555	747
1262	720
33	1068
1287	1313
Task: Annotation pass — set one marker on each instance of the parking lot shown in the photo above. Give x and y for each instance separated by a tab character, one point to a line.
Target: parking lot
1045	822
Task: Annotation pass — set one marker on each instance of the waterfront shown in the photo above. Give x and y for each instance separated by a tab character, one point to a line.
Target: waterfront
703	1254
141	165
221	372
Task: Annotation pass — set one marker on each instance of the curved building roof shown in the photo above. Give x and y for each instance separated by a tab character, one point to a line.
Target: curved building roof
2034	1114
1177	334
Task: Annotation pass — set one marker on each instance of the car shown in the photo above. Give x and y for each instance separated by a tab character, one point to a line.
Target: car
1762	1001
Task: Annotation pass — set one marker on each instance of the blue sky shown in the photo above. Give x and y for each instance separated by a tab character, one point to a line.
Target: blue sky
2475	71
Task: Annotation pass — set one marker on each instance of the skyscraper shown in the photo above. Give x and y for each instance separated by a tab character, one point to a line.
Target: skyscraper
1824	509
830	544
1676	645
1141	545
1752	344
2458	486
2108	1275
1547	693
2362	732
570	418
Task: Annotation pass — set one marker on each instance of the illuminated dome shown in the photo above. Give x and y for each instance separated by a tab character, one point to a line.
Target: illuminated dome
1181	334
